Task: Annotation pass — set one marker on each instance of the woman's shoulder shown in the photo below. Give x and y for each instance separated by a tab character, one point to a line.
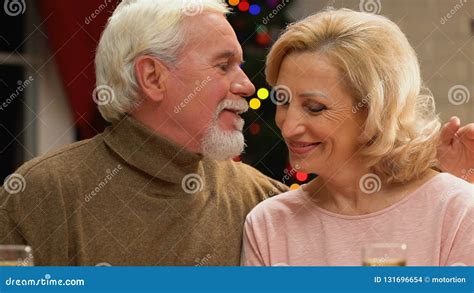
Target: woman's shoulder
278	206
449	189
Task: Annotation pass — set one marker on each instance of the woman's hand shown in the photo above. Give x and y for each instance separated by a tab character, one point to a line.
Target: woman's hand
456	150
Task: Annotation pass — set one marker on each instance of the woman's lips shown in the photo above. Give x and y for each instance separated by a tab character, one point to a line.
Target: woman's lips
302	148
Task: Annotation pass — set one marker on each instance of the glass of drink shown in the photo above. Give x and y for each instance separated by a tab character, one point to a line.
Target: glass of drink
16	255
384	254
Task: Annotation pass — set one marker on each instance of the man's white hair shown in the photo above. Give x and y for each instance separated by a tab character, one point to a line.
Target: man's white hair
136	28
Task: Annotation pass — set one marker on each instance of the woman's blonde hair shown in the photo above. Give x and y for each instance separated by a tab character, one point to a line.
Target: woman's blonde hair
401	129
141	27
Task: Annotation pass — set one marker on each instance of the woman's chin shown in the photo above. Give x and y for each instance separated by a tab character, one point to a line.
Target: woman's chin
303	165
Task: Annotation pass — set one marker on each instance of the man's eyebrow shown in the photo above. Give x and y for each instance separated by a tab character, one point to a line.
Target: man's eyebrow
313	94
225	55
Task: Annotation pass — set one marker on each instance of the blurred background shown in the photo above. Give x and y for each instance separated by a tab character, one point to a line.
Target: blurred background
47	78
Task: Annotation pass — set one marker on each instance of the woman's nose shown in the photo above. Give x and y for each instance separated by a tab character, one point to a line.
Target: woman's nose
293	124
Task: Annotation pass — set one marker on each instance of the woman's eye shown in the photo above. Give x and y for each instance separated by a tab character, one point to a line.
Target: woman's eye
316	108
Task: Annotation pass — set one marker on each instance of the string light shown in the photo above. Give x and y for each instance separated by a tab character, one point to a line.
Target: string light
244	6
254	9
255	103
302	177
263	38
294	186
263	93
255	128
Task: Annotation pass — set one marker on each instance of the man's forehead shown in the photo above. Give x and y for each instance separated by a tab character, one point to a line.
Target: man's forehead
213	36
227	54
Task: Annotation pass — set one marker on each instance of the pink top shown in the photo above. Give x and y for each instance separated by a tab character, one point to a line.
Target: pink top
436	222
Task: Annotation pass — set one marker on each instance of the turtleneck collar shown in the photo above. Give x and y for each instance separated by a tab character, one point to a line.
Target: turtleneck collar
146	150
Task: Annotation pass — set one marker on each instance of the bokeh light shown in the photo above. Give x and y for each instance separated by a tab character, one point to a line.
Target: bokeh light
263	93
294	186
255	128
255	103
254	9
300	176
244	6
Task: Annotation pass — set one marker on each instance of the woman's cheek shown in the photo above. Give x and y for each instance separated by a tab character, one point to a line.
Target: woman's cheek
280	116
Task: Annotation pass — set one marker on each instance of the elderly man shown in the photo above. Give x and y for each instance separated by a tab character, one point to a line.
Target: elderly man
158	187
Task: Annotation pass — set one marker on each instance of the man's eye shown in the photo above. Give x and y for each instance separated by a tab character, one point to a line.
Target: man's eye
224	67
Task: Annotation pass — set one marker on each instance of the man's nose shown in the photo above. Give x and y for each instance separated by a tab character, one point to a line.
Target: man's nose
242	86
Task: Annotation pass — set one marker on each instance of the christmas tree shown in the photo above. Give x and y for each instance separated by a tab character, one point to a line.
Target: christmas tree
258	23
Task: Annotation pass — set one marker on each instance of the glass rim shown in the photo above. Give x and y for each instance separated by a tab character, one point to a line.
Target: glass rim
402	246
17	247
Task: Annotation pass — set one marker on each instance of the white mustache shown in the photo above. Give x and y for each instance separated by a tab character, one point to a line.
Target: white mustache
239	106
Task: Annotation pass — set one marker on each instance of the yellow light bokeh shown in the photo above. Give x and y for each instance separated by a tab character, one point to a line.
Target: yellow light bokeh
254	103
263	93
234	2
294	186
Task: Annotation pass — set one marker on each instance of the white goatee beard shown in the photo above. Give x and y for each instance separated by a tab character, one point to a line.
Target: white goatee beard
218	144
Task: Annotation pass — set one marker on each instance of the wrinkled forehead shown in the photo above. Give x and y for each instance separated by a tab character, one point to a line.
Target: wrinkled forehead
211	35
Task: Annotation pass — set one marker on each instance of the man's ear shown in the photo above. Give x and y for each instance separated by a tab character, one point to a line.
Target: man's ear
151	74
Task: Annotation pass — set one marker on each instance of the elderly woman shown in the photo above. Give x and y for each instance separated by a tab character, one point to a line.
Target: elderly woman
351	111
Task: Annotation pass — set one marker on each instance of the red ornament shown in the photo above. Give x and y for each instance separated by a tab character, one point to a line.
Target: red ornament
244	6
263	38
255	128
302	177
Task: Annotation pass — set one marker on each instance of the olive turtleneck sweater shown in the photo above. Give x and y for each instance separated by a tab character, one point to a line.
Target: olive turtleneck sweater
130	197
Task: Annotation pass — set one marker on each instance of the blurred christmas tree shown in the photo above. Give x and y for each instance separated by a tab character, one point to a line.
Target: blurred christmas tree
258	23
